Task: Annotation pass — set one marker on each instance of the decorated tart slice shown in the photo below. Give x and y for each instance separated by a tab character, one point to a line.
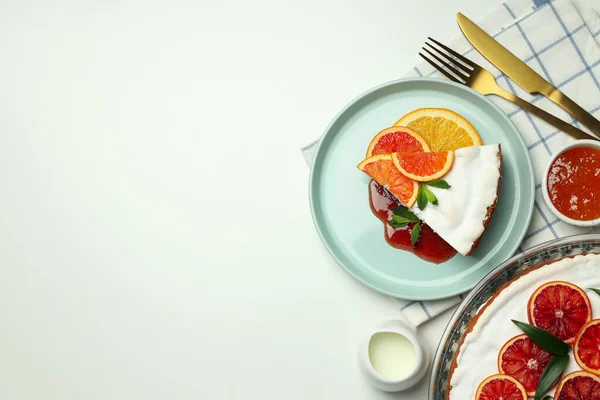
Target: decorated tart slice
448	194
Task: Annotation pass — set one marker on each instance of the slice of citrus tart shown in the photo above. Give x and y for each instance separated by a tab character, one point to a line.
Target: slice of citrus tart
435	156
461	187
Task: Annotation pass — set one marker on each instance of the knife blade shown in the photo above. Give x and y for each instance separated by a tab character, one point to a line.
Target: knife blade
521	73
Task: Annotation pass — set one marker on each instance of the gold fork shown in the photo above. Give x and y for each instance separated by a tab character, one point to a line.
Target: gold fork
481	80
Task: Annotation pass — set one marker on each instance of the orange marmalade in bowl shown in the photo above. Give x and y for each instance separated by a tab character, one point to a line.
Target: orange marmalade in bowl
573	183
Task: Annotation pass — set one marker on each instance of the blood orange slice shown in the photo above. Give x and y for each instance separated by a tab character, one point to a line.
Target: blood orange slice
579	385
560	308
523	360
382	169
587	347
397	138
424	167
500	387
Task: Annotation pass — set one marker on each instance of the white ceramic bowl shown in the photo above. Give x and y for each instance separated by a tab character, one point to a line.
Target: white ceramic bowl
394	385
578	143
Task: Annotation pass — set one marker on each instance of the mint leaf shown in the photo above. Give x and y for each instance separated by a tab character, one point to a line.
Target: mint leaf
405	213
430	196
402	217
398	221
425	196
548	398
597	291
439	183
397	224
551	373
416	232
545	340
421	197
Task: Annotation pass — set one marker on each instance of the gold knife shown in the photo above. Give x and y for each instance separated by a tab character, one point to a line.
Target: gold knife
521	73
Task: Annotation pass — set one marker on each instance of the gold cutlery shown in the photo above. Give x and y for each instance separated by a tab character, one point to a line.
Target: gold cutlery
462	70
521	73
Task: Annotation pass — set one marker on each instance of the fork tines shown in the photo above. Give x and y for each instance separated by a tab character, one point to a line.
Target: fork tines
453	65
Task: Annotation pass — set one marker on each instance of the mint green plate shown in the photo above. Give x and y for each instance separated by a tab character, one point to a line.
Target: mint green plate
340	202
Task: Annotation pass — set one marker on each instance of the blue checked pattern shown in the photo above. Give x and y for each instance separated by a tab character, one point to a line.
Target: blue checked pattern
559	43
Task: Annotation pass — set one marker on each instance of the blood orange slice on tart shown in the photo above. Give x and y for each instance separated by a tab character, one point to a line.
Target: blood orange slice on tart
523	360
424	167
397	138
560	308
587	347
500	387
383	171
579	385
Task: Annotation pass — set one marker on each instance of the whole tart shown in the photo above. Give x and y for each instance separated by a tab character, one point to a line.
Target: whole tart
491	327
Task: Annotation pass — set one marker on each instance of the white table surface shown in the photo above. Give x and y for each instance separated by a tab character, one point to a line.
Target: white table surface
156	238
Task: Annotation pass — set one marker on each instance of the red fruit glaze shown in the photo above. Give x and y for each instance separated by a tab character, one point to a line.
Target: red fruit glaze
430	247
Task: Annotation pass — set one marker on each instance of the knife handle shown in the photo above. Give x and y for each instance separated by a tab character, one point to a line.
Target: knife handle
575	110
549	118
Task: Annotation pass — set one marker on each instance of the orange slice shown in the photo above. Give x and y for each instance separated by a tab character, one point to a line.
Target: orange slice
560	308
396	138
525	361
424	167
587	347
441	128
383	171
578	385
500	387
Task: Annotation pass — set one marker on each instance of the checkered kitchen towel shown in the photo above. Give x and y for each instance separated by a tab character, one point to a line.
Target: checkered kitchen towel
558	40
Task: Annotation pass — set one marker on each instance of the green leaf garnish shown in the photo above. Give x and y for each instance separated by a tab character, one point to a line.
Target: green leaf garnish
425	195
551	373
421	198
548	398
395	224
414	235
402	217
430	196
439	183
545	340
397	221
597	291
405	212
